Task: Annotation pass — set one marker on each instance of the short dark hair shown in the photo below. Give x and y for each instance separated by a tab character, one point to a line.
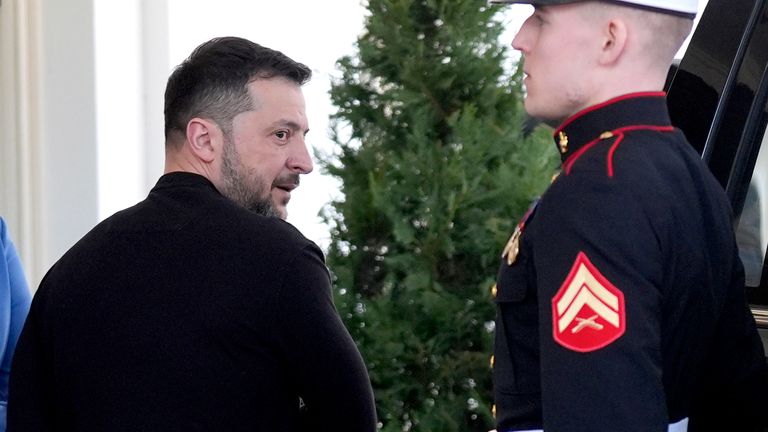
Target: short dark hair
213	81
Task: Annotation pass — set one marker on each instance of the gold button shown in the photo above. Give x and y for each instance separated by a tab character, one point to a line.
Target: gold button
562	139
493	410
493	361
606	135
494	291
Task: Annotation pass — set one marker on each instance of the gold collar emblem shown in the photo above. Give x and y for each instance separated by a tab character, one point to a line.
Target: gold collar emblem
562	141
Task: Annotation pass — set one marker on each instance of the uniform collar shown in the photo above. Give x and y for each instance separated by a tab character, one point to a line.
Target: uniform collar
589	124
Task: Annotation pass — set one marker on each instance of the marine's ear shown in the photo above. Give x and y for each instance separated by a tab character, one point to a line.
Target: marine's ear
204	138
614	43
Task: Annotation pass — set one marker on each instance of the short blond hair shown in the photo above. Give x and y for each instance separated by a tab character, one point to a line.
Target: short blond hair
661	34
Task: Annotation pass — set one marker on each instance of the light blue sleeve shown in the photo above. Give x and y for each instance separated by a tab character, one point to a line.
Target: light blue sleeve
15	299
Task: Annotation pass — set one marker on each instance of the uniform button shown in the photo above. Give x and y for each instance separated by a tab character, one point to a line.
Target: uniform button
493	361
493	410
494	291
562	142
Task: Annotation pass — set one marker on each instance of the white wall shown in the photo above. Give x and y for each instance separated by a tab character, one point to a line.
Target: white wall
48	118
131	71
68	128
53	174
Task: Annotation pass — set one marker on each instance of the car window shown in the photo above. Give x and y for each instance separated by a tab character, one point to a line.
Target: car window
753	223
718	97
752	227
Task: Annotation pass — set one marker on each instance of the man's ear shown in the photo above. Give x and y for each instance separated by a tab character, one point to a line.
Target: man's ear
614	41
205	139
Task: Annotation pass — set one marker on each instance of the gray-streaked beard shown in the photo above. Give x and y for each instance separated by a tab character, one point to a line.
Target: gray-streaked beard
250	194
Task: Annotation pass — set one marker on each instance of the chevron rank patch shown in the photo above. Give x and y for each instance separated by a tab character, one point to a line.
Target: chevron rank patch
588	311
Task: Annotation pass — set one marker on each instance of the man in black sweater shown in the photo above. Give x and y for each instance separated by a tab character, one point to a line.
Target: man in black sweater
200	309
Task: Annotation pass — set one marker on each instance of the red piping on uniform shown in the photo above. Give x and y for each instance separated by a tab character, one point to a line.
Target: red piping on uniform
569	163
606	103
619	133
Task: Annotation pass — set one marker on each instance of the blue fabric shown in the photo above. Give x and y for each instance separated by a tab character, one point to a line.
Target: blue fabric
15	299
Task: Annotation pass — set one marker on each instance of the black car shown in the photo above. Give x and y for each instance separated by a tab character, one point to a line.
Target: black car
718	96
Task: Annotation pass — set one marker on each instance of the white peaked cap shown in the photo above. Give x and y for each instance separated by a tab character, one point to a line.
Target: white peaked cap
681	7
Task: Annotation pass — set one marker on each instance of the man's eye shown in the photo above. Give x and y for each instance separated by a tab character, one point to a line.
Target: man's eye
281	135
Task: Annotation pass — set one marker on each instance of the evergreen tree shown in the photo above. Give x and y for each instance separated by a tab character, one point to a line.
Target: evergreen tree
436	170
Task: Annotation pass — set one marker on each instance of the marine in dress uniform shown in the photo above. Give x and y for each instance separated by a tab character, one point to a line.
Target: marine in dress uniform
620	295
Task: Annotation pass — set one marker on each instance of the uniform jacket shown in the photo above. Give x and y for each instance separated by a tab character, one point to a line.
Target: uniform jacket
623	306
14	305
188	313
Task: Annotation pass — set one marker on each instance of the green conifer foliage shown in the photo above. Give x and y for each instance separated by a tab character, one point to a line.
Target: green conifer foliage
435	171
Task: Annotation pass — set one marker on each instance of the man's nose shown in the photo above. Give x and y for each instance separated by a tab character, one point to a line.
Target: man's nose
300	160
521	42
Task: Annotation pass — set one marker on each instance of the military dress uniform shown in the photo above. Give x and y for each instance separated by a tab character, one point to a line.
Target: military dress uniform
620	296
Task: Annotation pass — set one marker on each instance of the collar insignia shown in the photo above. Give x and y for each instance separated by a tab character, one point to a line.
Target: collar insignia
562	142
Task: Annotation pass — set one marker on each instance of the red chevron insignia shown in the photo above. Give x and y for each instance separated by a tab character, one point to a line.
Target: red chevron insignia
588	311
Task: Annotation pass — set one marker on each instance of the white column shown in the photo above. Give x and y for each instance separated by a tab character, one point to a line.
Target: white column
156	71
131	71
21	152
119	97
68	136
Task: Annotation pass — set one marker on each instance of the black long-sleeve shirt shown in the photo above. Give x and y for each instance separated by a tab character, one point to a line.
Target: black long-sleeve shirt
187	312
